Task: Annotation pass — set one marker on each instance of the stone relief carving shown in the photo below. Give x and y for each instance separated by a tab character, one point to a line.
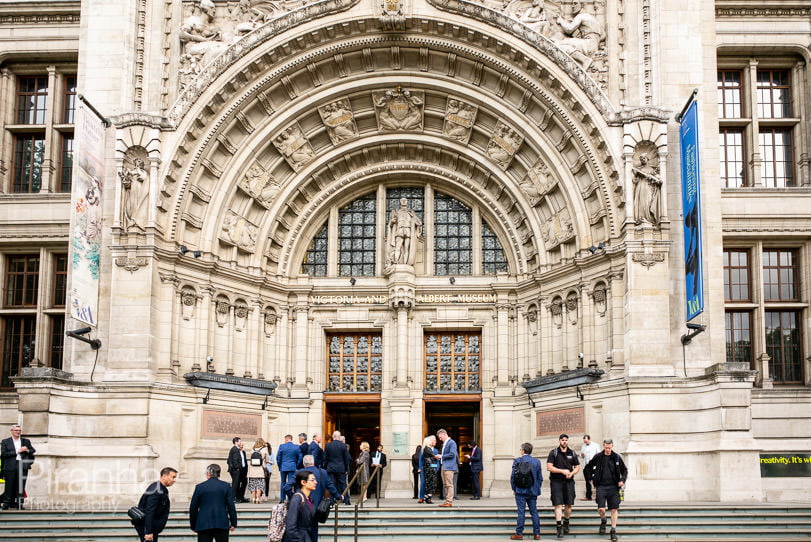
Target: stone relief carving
135	190
557	229
294	146
582	37
222	309
459	119
647	184
399	109
270	322
237	230
532	14
188	301
403	230
339	120
532	319
260	185
504	144
556	308
537	182
131	264
571	308
391	15
240	315
600	299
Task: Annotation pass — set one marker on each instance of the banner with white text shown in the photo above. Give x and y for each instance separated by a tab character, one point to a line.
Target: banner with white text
691	209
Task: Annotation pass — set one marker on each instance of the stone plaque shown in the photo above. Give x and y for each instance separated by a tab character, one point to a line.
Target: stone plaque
399	443
554	422
228	425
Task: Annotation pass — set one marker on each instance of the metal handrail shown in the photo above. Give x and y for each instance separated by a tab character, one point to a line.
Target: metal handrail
376	472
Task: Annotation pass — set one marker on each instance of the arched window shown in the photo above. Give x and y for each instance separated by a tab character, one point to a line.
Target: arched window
453	237
315	260
356	238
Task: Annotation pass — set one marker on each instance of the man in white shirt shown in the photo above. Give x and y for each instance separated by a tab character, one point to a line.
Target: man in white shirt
17	456
587	451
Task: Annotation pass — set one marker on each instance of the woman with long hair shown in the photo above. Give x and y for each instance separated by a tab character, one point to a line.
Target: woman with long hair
256	470
429	466
300	512
363	462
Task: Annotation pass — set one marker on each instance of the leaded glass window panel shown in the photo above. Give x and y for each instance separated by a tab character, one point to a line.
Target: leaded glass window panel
453	237
356	238
493	259
452	362
315	260
415	196
355	363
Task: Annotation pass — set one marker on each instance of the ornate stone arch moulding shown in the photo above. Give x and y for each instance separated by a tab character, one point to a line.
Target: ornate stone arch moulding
290	245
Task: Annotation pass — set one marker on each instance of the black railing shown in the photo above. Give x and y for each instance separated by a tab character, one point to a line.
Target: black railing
359	503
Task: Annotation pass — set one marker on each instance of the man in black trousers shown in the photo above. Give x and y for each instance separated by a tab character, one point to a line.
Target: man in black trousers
336	463
154	504
238	469
212	514
17	456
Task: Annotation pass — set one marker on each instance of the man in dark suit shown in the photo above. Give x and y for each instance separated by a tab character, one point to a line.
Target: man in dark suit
475	468
378	458
155	505
304	446
212	514
287	457
316	451
17	456
336	463
238	469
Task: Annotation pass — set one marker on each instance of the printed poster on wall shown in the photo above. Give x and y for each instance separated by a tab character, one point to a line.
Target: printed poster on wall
86	215
691	207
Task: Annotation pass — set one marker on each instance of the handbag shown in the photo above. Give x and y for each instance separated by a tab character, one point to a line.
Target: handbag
136	514
322	511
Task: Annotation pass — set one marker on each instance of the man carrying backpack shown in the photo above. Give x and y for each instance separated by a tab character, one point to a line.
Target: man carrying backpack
525	481
563	464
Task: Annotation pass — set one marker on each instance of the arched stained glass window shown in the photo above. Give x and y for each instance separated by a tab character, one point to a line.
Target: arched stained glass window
415	196
356	238
315	260
453	237
493	259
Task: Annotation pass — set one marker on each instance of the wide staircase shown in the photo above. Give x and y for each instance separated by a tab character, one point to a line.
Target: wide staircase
483	522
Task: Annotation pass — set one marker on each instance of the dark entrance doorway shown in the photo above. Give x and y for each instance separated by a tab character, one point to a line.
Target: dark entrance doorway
357	421
462	421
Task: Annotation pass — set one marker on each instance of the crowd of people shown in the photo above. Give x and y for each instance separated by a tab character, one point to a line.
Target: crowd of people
310	472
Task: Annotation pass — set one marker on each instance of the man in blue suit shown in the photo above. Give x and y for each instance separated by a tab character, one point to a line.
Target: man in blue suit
337	461
526	491
212	514
316	451
475	468
449	456
288	457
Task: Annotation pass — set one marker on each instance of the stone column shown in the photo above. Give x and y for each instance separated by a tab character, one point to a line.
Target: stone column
301	344
402	295
503	342
399	446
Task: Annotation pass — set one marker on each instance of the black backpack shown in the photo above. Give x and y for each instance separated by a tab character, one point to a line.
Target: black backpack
256	459
523	475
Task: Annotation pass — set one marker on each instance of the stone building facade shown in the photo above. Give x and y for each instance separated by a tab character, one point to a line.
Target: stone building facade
388	217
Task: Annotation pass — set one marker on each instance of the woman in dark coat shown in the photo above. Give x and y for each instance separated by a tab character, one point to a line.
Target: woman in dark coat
429	466
301	512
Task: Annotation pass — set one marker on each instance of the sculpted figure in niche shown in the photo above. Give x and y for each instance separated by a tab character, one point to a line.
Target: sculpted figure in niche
647	185
459	120
238	231
398	110
404	228
295	147
582	35
338	119
135	196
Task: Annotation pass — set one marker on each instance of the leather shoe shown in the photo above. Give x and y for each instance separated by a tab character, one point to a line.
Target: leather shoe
446	505
516	537
537	537
420	501
475	498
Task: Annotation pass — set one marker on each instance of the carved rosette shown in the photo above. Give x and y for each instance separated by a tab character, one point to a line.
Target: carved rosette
399	109
188	302
294	146
239	231
460	117
503	144
222	310
270	321
600	297
339	120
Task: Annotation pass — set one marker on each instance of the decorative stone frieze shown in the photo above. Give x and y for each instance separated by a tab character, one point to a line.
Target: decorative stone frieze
648	259
503	144
260	185
131	264
537	182
459	119
557	229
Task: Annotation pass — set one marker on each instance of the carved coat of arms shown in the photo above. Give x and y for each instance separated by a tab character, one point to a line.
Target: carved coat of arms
399	109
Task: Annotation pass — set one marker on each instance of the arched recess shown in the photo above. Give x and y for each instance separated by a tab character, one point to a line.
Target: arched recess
237	120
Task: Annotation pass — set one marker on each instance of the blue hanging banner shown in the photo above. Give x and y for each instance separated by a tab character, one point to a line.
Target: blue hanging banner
691	209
